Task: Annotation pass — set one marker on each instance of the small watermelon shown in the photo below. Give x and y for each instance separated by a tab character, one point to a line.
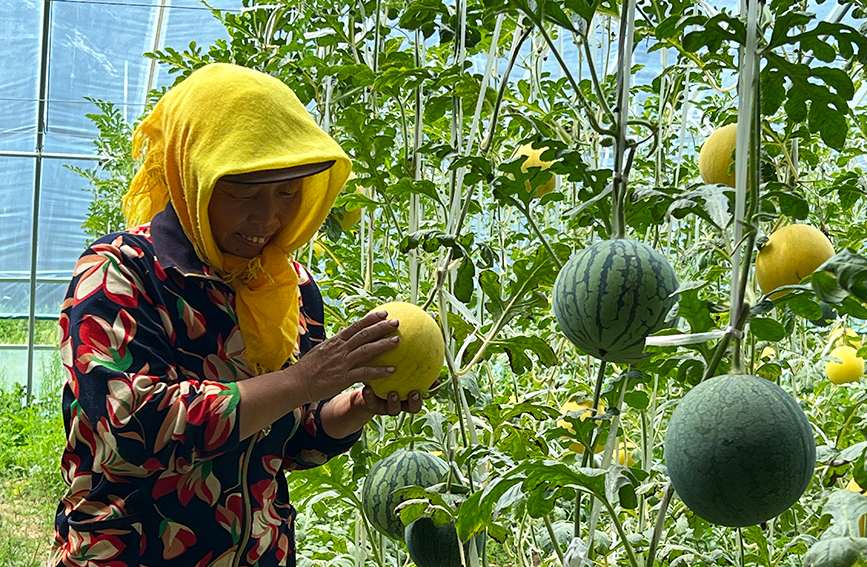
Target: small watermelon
401	468
611	295
430	545
739	450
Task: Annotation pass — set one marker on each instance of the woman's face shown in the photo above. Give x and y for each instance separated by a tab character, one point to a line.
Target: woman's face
247	216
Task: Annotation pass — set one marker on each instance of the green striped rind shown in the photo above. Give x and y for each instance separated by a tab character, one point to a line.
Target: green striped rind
401	468
430	545
611	295
739	450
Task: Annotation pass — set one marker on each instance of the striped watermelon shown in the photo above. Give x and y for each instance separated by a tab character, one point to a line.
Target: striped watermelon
430	545
611	295
401	468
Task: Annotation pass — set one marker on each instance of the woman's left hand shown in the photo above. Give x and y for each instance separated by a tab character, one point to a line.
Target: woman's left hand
389	406
349	411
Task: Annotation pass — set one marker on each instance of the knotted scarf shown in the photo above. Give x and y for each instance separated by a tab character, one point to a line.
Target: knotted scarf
225	120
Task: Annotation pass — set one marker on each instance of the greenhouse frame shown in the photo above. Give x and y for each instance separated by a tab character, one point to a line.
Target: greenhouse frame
57	54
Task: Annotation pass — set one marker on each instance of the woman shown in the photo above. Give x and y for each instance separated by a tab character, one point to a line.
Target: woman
197	370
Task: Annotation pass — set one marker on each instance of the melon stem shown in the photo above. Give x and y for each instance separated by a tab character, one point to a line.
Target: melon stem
585	458
553	536
660	524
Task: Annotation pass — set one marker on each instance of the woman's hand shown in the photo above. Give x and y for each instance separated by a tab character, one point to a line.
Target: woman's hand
350	411
390	406
326	371
341	361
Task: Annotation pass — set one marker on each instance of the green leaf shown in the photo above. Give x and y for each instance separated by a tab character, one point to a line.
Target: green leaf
767	329
805	307
846	507
853	307
694	309
517	346
422	15
476	513
835	552
710	202
756	535
637	399
584	8
828	118
464	280
783	24
842	275
522	444
547	475
553	13
496	416
793	205
489	281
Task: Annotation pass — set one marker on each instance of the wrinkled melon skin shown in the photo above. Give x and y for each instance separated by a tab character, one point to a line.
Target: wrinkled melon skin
611	295
430	545
401	468
739	450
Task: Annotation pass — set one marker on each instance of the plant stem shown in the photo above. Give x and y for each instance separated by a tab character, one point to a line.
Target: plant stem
521	35
721	348
660	523
618	525
526	210
746	153
624	78
591	119
554	543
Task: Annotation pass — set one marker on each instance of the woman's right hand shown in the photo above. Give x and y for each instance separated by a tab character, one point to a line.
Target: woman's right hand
324	371
342	360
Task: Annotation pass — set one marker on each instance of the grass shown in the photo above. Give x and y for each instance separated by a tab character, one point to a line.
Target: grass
14	331
31	440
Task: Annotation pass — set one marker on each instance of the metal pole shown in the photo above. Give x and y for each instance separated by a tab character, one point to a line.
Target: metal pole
157	34
48	155
41	128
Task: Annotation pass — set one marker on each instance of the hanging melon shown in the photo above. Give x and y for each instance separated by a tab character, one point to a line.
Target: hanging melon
739	450
401	468
611	295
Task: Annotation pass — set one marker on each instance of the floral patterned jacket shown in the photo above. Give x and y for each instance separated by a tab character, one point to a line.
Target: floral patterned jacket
156	471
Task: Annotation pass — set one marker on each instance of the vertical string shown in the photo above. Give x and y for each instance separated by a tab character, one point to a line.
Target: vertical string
742	150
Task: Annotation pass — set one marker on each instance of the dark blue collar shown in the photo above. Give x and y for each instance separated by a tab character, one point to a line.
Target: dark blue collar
172	246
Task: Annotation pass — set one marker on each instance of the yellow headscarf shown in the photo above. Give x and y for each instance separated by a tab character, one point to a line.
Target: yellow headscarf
225	120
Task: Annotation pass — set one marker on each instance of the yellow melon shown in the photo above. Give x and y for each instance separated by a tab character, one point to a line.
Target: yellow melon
791	253
849	369
626	451
418	357
715	156
533	159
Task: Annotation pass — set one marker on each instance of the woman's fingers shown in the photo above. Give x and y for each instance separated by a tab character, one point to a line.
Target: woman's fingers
392	405
360	325
368	337
370	334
